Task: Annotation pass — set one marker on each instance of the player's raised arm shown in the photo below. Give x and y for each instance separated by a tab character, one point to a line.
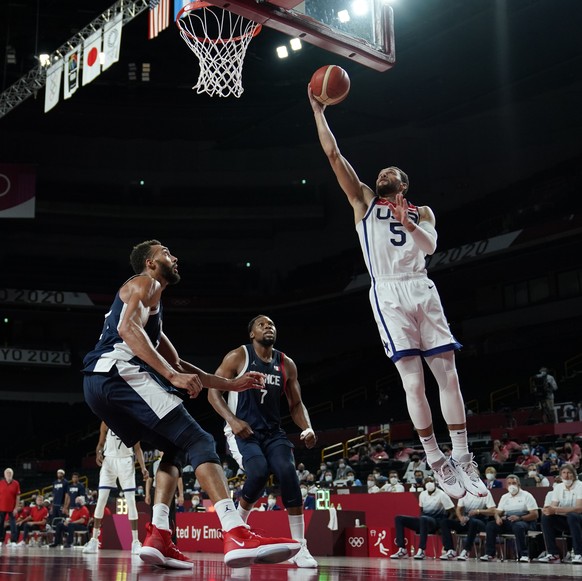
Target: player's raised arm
359	194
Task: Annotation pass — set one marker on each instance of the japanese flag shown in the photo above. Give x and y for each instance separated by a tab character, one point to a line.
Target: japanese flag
92	57
112	41
53	85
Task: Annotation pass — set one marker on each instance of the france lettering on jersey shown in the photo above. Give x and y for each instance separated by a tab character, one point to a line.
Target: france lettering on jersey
260	408
387	247
111	347
115	448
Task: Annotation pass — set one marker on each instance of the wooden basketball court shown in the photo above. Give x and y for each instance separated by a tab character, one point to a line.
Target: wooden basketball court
44	564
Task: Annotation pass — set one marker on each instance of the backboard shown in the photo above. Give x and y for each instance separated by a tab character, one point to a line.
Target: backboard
361	30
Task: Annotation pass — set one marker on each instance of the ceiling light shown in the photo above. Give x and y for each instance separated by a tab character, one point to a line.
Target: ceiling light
360	7
282	52
343	16
44	59
295	43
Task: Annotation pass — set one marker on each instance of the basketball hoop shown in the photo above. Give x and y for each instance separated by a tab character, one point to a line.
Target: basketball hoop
219	39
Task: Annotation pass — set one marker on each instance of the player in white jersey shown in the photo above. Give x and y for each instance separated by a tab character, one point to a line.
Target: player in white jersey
117	463
395	237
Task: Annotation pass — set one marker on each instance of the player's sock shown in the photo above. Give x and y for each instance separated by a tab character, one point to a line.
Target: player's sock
431	448
228	514
96	532
161	517
297	526
134	536
244	513
460	444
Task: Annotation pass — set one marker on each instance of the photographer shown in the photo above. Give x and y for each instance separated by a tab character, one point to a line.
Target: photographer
545	385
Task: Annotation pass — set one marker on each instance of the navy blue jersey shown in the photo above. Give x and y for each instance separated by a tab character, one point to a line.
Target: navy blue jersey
76	490
111	347
60	488
261	408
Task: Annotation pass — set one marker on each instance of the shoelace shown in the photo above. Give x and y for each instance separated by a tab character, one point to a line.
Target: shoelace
447	473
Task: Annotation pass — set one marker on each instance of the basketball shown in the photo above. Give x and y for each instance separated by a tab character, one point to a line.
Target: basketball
330	84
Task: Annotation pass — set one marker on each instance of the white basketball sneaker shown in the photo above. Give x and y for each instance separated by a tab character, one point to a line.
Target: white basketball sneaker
448	477
135	547
303	558
92	546
469	473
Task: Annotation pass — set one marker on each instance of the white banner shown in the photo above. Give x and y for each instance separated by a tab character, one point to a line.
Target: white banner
92	57
44	297
112	41
53	85
72	70
27	357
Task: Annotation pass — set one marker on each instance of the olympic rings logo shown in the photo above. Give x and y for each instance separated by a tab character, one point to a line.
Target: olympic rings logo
356	542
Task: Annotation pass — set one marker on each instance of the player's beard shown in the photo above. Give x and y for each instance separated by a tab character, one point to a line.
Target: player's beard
169	274
267	341
388	189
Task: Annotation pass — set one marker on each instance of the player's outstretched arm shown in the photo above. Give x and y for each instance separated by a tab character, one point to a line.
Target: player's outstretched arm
297	408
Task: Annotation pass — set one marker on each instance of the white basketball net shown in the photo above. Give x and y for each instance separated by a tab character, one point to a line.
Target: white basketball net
219	39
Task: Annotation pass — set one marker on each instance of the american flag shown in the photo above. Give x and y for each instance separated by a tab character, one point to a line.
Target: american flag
158	17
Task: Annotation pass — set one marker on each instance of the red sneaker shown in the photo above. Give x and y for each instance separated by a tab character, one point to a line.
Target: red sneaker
243	547
158	549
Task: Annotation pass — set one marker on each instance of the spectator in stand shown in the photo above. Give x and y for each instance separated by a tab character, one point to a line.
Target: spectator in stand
537	449
491	478
402	454
499	453
76	488
550	495
516	514
196	504
323	468
78	521
271	503
394	484
509	446
472	514
351	479
525	459
302	473
311	484
551	467
377	484
308	499
435	505
228	471
342	470
9	501
569	455
327	481
417	484
36	520
414	465
379	454
534	478
569	439
564	515
60	489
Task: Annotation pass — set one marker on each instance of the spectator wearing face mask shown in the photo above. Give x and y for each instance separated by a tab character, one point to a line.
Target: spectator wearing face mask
553	463
550	494
394	484
320	476
196	505
491	478
308	499
564	515
327	481
342	470
272	503
414	465
516	514
351	479
311	484
537	449
417	484
435	505
374	485
526	458
302	472
534	478
78	521
569	455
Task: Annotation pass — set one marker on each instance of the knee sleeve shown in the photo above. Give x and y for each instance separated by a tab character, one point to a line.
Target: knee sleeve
101	502
411	374
131	506
257	475
282	463
444	370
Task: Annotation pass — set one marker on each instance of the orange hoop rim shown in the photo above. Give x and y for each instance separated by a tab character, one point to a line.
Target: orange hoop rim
198	5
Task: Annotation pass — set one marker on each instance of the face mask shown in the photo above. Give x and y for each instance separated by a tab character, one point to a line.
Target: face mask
370	483
140	490
512	489
195	503
567	483
342	465
322	467
393	480
419	480
490	476
350	479
271	502
525	451
328	478
304	492
553	455
532	473
231	486
430	486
